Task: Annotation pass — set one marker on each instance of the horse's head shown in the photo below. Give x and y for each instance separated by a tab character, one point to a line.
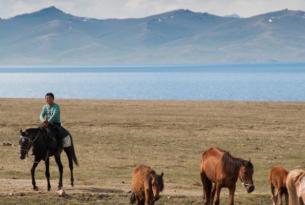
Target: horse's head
25	142
245	175
157	185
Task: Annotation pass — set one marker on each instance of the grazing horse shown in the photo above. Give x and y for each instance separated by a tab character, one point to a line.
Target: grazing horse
39	140
296	187
146	186
277	180
222	169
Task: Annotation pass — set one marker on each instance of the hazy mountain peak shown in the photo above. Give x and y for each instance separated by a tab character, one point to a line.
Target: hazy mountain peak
51	9
183	14
283	13
182	11
178	12
48	13
189	12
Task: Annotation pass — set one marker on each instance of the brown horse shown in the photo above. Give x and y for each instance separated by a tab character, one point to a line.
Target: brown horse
296	187
277	179
222	169
146	186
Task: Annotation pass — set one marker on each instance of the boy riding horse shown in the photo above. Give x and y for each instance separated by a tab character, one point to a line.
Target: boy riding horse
50	118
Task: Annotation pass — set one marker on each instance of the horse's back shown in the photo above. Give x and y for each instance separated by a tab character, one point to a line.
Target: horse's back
211	162
278	176
213	152
294	174
139	175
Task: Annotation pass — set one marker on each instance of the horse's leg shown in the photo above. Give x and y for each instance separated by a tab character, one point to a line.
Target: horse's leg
70	159
141	202
286	197
47	173
273	194
149	196
301	201
231	195
60	168
33	174
279	197
138	201
213	193
207	187
218	189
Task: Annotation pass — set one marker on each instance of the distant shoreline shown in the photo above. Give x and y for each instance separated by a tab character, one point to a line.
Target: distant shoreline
154	65
156	100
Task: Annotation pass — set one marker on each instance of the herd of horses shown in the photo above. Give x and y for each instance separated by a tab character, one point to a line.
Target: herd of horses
289	185
218	169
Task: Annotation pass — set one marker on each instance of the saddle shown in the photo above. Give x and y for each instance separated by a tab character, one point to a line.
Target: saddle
55	137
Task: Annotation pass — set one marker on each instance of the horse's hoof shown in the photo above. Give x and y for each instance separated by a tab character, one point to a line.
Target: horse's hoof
72	185
49	188
35	188
61	192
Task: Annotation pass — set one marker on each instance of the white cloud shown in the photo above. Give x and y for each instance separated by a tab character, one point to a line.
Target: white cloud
140	8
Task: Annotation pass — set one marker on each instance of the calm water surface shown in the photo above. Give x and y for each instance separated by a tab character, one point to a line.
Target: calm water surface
276	82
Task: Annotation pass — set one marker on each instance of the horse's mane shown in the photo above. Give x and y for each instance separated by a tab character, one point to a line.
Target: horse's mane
231	163
32	130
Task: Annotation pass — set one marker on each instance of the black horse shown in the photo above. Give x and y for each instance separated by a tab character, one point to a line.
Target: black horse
43	148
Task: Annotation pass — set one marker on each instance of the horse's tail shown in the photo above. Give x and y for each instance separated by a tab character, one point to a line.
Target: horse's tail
74	158
132	198
290	183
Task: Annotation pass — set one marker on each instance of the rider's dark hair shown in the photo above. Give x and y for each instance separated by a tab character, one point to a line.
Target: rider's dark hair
50	95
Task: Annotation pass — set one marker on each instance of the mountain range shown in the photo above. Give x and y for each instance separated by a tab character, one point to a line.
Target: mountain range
52	37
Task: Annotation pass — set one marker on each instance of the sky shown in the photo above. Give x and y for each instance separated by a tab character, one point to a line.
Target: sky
139	8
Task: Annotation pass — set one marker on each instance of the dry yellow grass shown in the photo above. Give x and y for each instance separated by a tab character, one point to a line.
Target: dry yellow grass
111	137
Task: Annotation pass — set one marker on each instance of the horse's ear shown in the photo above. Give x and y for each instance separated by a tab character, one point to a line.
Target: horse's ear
162	174
21	131
250	160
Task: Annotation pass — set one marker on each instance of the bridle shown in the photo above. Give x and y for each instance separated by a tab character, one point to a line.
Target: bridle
244	183
31	142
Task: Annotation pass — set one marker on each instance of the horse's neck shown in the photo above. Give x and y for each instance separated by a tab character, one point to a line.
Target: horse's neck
39	144
232	165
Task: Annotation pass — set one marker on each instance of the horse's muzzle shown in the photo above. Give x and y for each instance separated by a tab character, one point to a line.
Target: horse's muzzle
156	198
250	188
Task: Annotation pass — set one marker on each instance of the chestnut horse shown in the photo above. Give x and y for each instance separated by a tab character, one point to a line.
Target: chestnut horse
296	187
146	185
222	169
277	179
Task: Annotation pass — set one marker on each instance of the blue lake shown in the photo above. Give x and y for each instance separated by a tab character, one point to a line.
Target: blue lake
264	82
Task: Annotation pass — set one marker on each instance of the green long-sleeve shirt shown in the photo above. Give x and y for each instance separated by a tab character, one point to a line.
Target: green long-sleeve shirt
50	112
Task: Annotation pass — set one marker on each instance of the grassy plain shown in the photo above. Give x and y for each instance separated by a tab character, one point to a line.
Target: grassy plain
111	137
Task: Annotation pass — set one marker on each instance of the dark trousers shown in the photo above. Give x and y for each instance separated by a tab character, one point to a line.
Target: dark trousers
57	124
54	133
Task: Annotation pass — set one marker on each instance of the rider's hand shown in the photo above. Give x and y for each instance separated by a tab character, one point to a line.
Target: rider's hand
45	123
